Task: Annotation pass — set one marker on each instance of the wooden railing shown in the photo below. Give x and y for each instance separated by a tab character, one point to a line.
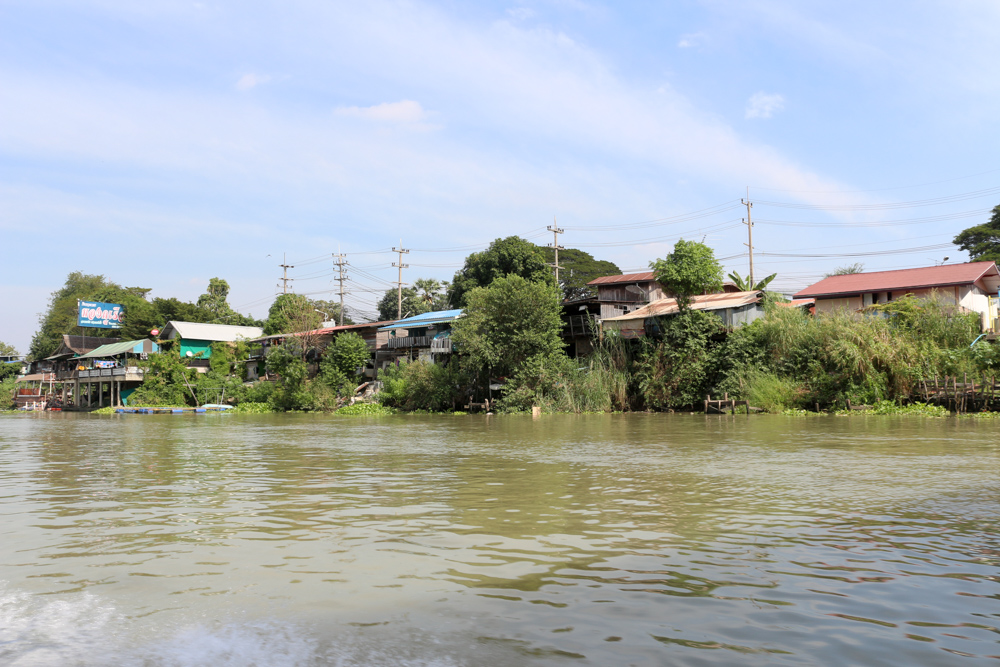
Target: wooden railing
409	341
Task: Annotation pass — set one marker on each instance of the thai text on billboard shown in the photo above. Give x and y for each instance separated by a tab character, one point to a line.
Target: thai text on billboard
99	315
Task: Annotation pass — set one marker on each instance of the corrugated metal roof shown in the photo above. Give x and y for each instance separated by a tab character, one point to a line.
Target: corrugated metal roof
703	302
222	333
425	319
73	345
624	278
325	331
114	349
902	279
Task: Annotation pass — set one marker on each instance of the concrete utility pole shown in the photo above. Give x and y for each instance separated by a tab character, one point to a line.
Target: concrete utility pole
749	223
340	263
555	246
399	283
284	279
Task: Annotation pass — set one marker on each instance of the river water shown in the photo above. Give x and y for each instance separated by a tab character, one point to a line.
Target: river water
278	540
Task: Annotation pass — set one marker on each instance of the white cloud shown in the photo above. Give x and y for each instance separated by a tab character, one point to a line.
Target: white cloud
404	111
248	81
520	13
764	105
691	40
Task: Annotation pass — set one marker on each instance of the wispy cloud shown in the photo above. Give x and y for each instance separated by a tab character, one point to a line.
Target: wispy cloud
520	13
764	105
691	40
404	111
251	80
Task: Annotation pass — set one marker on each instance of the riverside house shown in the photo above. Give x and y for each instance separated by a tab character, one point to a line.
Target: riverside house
972	287
734	309
195	339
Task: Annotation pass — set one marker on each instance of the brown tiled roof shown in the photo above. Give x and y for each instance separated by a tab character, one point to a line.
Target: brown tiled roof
901	279
624	278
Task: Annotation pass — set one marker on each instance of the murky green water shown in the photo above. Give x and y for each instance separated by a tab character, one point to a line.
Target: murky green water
589	540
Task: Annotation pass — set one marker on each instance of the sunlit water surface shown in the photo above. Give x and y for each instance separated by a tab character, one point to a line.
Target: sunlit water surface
470	540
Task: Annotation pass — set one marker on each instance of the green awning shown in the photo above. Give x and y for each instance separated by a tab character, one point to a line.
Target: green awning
126	346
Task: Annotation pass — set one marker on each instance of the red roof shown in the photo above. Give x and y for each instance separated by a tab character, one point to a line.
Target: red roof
902	279
624	278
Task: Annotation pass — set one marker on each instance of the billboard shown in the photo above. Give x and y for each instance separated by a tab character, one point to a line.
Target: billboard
99	315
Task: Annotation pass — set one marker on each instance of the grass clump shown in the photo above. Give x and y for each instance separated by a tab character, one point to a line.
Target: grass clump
368	409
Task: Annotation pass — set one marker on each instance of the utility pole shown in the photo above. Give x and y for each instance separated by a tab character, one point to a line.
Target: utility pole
284	279
340	263
749	223
399	283
555	246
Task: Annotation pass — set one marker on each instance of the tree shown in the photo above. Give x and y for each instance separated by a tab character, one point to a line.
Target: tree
343	358
214	299
847	269
744	284
432	292
508	322
578	269
8	369
413	304
504	257
691	269
291	313
61	315
982	242
332	310
172	308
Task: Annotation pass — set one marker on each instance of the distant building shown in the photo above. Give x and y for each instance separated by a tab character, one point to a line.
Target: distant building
318	340
195	338
425	336
968	286
734	309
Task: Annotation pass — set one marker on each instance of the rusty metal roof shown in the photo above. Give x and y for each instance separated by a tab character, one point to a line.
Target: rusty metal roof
703	302
903	279
624	278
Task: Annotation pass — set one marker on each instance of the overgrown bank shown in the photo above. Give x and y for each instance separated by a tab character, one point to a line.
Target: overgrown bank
787	360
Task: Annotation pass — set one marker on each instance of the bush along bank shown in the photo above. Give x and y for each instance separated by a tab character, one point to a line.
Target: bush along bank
788	360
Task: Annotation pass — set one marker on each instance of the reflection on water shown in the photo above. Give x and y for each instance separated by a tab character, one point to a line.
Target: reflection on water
461	540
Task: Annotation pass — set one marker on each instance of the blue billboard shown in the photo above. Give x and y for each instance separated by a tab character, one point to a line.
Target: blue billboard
99	315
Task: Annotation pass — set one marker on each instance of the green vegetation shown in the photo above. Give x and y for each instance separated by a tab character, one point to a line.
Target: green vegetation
578	269
982	242
140	314
291	313
367	409
744	285
847	270
691	269
504	257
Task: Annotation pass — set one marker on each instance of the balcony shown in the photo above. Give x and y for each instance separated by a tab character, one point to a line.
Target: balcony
409	341
441	346
127	374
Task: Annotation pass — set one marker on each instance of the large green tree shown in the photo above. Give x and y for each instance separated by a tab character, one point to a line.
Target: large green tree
291	313
510	256
691	269
982	242
61	316
413	304
578	269
508	322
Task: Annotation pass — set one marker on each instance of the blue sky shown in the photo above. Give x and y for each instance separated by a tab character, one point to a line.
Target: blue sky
164	143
